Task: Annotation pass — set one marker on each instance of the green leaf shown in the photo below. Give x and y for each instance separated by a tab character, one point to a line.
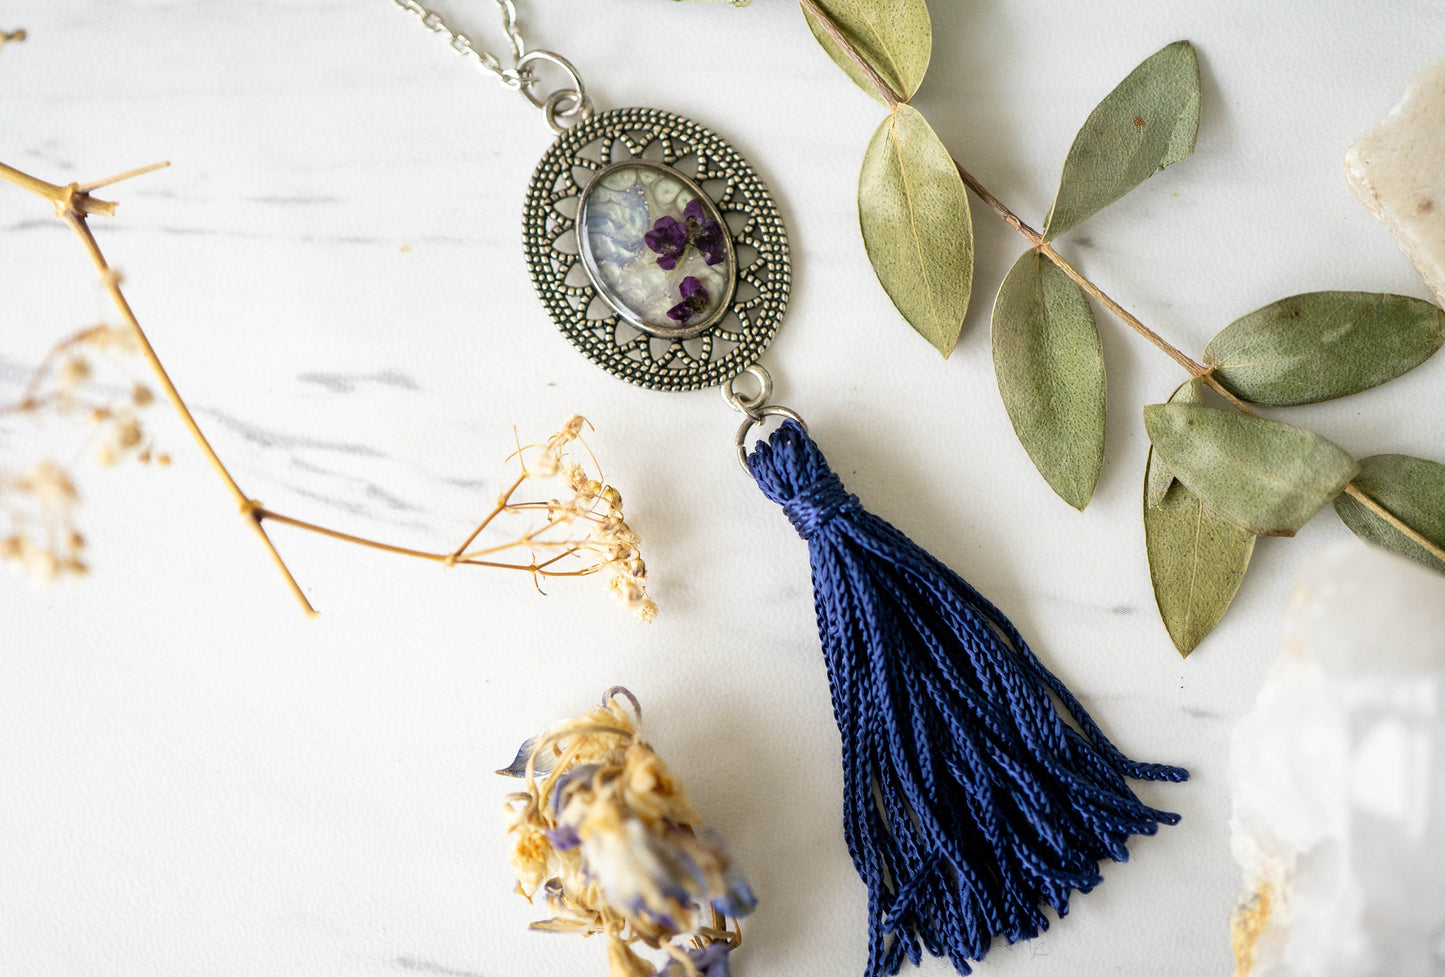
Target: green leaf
1144	125
1410	489
1197	559
916	226
895	37
1264	476
1323	345
1050	370
1158	477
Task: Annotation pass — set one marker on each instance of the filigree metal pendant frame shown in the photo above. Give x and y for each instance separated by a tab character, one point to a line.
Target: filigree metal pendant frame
759	240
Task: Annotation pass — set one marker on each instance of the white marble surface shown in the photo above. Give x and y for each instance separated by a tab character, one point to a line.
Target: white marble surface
194	779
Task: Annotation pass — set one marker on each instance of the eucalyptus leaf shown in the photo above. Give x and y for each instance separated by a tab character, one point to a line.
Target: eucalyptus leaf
1323	345
1264	476
1158	477
913	208
1197	559
1050	370
895	37
1144	125
1410	489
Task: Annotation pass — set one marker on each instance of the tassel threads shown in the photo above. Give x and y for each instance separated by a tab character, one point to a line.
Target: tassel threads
969	802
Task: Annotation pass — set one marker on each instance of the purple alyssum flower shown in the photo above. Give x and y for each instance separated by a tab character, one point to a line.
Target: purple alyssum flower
694	300
670	238
705	235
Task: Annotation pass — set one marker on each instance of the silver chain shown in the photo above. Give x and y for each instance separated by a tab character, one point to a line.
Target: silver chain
462	44
571	104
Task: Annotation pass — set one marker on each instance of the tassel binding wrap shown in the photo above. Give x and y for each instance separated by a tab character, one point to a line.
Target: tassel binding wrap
969	802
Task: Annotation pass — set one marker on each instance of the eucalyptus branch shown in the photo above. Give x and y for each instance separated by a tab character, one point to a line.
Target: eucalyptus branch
607	544
893	99
1238	475
1195	368
1036	240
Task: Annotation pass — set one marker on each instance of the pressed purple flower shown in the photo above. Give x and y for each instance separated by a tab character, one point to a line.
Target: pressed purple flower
670	238
694	300
705	235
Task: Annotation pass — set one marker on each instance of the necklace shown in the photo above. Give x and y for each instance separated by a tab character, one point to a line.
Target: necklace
977	789
651	276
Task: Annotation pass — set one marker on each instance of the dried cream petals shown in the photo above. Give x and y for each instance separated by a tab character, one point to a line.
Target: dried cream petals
605	832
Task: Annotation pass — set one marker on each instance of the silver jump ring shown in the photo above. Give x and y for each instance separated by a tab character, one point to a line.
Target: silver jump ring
753	405
755	416
577	88
565	103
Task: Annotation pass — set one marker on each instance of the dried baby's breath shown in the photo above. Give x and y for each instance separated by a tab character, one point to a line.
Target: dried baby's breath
73	387
579	530
605	836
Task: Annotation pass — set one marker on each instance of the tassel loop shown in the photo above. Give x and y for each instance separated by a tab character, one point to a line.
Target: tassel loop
970	801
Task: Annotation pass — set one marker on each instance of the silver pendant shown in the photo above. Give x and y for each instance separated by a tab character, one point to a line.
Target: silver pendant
656	249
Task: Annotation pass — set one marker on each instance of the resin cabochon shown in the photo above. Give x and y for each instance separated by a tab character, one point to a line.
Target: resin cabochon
617	209
602	285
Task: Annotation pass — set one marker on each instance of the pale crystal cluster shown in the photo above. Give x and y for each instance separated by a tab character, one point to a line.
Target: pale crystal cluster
1398	170
1338	779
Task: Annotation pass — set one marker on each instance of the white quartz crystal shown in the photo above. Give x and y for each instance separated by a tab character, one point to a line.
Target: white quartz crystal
1338	780
1398	170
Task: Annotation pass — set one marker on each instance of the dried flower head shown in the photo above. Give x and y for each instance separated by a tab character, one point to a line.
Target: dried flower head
579	530
41	539
605	833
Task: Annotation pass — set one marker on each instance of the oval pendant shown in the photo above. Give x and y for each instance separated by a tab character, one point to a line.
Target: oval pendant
656	249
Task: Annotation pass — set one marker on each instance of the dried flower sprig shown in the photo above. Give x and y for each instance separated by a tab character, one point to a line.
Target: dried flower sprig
39	535
605	832
584	535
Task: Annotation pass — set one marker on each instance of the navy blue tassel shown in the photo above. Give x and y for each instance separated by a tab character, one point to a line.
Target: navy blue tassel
969	802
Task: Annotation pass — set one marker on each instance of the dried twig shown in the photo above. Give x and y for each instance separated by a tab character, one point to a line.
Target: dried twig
595	536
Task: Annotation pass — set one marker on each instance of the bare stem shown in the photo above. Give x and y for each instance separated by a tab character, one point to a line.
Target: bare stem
117	178
501	505
312	527
57	195
448	559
